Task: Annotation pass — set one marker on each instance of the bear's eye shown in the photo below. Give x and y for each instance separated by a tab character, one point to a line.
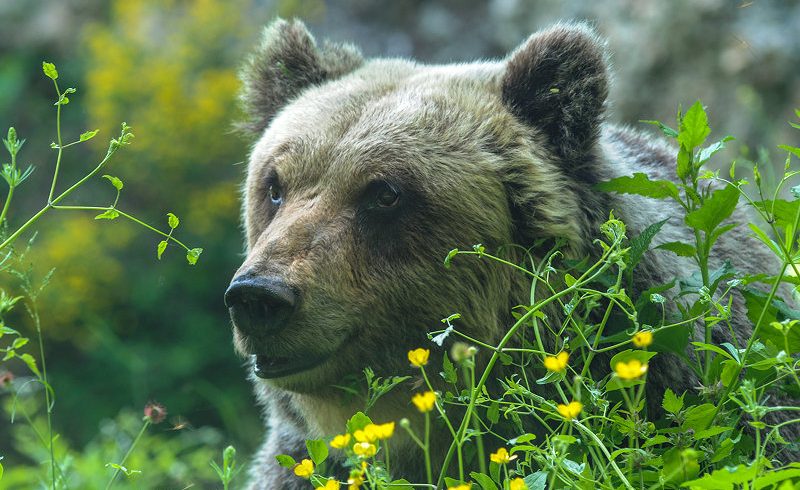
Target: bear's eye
275	194
386	195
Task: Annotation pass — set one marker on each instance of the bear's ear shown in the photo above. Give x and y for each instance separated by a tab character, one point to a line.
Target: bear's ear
557	82
286	62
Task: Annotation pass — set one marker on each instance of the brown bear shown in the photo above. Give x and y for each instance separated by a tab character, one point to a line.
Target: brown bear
365	173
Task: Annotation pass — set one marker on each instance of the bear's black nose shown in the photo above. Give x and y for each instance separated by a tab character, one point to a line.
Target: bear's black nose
258	304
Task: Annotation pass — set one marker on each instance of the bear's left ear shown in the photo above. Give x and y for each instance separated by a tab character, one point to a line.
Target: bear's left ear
557	81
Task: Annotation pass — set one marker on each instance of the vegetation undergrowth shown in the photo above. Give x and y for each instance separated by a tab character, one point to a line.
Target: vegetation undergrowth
556	420
31	396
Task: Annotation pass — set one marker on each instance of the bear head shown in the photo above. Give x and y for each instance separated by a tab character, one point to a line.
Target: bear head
365	173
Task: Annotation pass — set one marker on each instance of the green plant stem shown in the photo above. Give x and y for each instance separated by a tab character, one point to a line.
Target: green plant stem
47	393
428	471
6	205
60	149
145	425
603	448
590	274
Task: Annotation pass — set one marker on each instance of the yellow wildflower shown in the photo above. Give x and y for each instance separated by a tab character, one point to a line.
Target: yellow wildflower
643	338
465	486
570	411
517	484
501	456
340	441
631	369
374	432
558	362
418	357
365	449
304	469
355	481
331	484
424	401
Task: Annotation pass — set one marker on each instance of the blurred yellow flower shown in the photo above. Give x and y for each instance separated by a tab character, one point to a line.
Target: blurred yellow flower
340	441
331	484
304	469
364	449
418	357
501	456
643	338
374	432
571	410
517	484
631	369
355	481
424	401
558	362
465	486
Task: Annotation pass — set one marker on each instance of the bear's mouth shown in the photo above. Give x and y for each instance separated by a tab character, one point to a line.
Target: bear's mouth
271	367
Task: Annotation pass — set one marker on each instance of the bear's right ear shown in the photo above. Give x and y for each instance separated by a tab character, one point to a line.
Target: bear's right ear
286	62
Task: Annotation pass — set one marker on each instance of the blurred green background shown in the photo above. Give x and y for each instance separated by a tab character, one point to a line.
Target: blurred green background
122	328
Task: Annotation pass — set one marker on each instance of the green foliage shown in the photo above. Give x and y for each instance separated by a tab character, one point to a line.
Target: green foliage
595	426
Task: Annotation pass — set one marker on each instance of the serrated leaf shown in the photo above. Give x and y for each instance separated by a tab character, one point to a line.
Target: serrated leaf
448	370
193	254
173	221
694	127
536	481
114	181
30	361
671	402
86	136
640	184
49	70
699	417
715	210
679	248
493	412
162	245
108	214
706	153
286	461
317	450
641	243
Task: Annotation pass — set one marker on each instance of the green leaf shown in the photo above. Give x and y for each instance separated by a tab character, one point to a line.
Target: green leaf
108	214
694	127
317	450
699	417
88	135
640	184
755	301
641	243
671	402
173	220
493	412
286	461
536	481
724	478
715	210
30	361
449	257
684	165
193	254
357	422
706	153
162	245
485	481
114	181
569	280
49	70
791	149
679	248
668	131
448	370
711	432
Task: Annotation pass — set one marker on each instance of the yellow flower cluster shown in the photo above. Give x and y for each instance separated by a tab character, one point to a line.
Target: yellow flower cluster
517	484
501	456
424	401
331	484
304	469
418	357
642	339
571	410
341	441
630	370
558	362
465	486
374	432
365	449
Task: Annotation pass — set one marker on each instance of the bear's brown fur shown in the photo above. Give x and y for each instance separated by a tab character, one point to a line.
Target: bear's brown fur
366	173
